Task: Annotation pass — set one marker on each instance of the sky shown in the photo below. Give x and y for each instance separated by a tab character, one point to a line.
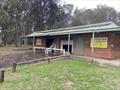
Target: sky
90	4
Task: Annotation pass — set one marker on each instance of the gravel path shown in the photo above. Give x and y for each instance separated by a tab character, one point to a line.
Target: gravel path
115	62
109	62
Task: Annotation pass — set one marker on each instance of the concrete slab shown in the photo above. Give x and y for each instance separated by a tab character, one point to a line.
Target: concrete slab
115	62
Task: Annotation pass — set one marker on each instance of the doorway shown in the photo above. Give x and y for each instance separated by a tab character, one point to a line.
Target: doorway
49	42
65	47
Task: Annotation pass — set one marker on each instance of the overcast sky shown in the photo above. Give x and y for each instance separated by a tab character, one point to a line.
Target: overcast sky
93	3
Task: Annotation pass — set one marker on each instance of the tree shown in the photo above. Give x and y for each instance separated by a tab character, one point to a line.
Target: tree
105	14
90	16
49	14
22	17
4	24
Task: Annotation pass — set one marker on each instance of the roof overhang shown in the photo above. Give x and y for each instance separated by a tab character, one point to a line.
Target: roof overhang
104	27
72	32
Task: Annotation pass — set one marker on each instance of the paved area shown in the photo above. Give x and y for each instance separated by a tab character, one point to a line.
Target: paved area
109	62
115	62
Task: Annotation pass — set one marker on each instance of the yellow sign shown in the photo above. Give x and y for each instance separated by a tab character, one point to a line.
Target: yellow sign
99	42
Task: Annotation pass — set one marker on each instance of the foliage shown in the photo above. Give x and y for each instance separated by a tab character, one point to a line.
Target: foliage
22	17
100	14
63	75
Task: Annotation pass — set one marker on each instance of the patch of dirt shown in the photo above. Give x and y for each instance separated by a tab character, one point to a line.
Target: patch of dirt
118	86
25	55
67	85
9	75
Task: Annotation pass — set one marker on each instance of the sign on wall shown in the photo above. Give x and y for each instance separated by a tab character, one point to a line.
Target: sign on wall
99	42
38	42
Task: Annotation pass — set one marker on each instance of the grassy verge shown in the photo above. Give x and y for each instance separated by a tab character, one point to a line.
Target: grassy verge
63	75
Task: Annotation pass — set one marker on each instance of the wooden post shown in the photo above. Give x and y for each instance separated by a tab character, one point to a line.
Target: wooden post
49	60
14	67
2	72
93	40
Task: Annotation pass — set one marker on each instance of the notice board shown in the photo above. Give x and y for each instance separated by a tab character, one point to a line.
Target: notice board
99	42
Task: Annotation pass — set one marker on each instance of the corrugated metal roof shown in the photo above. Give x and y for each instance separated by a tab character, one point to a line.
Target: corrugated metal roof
101	27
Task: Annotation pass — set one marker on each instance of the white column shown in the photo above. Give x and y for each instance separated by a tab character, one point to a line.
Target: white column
25	41
68	44
33	41
93	39
34	44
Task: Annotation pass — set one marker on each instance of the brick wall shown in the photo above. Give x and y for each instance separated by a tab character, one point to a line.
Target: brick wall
57	42
113	50
116	45
74	44
99	53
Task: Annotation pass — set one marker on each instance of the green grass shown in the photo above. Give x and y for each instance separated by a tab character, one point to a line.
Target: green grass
63	75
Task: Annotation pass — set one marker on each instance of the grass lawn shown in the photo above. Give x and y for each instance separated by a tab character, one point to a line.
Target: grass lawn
63	75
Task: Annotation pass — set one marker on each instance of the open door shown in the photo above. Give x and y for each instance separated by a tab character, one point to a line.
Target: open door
64	45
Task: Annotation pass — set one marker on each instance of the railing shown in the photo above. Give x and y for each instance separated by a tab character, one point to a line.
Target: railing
14	66
37	60
46	51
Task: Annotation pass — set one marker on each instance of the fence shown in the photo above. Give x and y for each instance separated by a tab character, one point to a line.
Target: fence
14	66
42	53
27	55
48	51
37	60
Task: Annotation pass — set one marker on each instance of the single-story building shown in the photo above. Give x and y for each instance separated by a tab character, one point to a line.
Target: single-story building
101	40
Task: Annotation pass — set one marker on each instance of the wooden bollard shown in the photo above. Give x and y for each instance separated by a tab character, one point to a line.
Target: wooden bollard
48	60
14	67
2	75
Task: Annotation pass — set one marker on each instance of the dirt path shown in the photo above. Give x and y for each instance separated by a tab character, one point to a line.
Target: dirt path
24	55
